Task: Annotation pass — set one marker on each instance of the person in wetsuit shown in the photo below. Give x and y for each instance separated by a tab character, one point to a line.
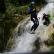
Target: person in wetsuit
46	18
34	19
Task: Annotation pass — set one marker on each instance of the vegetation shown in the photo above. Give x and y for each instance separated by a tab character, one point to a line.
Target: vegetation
11	13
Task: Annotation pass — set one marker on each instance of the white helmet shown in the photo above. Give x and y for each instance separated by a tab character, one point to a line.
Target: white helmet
32	2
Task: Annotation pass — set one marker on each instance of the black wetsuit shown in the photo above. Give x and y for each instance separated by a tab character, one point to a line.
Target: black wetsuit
34	19
46	18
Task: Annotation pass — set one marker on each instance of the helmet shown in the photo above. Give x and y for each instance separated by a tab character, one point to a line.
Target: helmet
32	3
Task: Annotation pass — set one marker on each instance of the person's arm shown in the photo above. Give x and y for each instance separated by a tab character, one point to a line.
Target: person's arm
30	10
34	9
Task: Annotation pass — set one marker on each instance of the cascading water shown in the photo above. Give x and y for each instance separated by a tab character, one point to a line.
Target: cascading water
24	42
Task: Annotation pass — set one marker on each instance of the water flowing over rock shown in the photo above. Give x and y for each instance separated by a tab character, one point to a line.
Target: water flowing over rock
24	41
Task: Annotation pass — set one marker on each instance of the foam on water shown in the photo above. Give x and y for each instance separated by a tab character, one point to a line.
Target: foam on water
24	43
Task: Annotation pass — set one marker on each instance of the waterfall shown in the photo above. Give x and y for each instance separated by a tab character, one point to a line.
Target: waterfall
24	41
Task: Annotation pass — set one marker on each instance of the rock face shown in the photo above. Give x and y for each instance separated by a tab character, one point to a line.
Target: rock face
50	30
50	34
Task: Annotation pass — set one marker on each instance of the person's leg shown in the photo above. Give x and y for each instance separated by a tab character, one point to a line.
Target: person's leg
36	25
33	25
47	21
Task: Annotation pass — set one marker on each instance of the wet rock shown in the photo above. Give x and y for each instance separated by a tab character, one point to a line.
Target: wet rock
37	44
50	33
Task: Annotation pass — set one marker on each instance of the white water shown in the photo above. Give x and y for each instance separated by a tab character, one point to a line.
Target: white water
24	43
50	1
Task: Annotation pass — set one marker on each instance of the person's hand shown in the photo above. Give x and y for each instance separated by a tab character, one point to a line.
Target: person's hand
34	9
38	17
34	19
